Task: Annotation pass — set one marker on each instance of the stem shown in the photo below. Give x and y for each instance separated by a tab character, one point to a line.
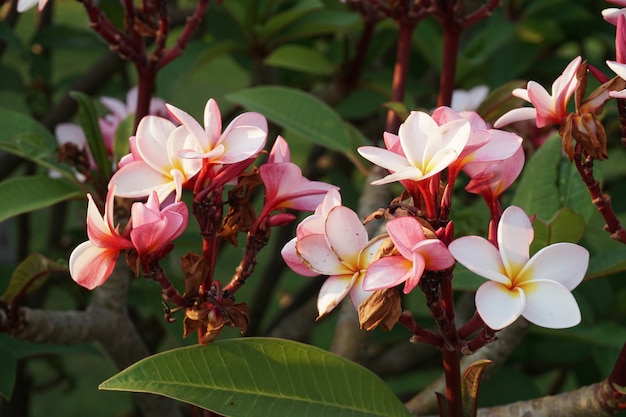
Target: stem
400	71
452	372
451	36
144	93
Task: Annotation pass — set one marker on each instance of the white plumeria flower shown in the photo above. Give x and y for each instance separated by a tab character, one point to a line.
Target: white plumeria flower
469	100
426	148
538	288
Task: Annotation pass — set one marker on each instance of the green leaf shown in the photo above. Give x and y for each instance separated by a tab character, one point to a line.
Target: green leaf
300	58
607	262
88	117
29	275
34	192
538	191
296	110
262	377
125	129
470	385
319	23
565	226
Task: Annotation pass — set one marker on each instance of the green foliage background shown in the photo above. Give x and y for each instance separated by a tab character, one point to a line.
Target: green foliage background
258	55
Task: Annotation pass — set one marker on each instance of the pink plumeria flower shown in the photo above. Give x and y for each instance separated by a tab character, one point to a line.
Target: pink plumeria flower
153	228
548	108
538	288
156	164
426	148
243	138
23	5
313	224
120	110
285	187
92	261
417	254
620	70
469	100
342	252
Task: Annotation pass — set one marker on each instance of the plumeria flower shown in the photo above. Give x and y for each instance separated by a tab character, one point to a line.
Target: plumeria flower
491	179
92	261
285	187
417	254
538	288
155	163
425	148
23	5
313	224
243	138
463	100
120	110
342	252
153	228
548	108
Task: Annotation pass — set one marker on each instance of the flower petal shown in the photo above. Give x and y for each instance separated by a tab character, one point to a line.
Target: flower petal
499	306
293	261
436	255
516	115
138	179
405	232
480	257
549	304
152	142
357	293
212	121
333	291
565	263
317	255
90	266
515	234
384	158
192	126
387	272
346	235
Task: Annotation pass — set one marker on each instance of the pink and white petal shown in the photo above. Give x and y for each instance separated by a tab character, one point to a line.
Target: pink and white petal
293	261
152	142
313	194
387	272
405	232
501	146
565	263
317	255
384	158
334	289
454	136
370	251
312	225
392	143
516	115
419	265
521	93
345	234
499	306
440	161
280	151
408	173
618	68
436	255
90	266
515	234
70	133
212	122
480	257
23	5
549	304
98	229
357	293
418	133
563	87
241	143
117	107
138	179
194	128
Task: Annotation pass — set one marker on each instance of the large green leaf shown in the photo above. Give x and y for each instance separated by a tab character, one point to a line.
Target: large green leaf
8	364
538	191
25	194
262	377
299	111
280	21
300	58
